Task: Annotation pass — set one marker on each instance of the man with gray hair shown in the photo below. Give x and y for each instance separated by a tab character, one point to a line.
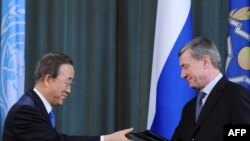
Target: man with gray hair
219	102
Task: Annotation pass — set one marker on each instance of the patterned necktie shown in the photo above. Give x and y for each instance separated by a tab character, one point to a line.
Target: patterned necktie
52	117
200	96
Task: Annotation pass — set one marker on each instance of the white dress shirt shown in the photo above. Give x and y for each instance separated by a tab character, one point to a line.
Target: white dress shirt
48	107
210	87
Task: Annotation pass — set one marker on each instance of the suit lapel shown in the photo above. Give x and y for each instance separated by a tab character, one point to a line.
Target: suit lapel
211	101
40	106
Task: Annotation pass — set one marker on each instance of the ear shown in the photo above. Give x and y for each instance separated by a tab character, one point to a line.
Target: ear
47	79
206	61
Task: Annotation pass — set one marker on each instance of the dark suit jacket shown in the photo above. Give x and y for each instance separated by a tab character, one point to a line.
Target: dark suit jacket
28	120
228	103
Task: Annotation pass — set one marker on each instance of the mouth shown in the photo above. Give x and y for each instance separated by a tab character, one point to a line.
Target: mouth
189	80
64	96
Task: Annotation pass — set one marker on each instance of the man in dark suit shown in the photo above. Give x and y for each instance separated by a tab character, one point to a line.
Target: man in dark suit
32	118
223	102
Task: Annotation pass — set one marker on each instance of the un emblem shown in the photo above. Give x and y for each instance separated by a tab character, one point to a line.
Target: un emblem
12	56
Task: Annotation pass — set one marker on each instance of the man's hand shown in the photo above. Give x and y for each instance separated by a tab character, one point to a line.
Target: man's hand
118	136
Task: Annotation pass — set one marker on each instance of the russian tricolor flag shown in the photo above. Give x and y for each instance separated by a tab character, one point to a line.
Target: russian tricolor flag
169	92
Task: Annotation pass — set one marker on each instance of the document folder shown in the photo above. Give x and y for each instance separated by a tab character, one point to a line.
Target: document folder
146	136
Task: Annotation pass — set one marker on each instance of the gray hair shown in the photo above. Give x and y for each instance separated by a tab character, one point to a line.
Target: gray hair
201	46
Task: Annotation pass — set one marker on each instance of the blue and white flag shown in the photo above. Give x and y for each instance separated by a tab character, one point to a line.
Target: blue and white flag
169	92
238	59
12	54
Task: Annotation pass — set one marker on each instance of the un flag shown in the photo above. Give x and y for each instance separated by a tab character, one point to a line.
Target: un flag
12	55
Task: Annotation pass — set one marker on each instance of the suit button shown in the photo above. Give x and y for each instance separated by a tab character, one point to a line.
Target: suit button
193	139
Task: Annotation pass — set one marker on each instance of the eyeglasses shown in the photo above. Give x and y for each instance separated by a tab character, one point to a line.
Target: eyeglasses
67	84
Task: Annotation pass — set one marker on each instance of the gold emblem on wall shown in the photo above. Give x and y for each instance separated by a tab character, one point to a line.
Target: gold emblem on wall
241	14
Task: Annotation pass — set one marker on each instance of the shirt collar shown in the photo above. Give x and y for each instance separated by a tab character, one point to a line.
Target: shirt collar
211	85
45	102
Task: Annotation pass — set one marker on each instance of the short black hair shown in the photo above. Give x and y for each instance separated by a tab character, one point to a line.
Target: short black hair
50	63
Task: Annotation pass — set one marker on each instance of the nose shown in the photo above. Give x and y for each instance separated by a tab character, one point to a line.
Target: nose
68	90
183	74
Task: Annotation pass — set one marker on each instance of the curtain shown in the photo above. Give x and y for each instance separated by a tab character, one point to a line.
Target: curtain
111	44
210	21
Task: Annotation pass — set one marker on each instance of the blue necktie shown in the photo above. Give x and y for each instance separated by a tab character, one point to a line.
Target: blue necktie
200	96
52	117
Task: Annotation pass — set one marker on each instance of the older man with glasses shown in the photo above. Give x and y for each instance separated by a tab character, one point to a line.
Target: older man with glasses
32	117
